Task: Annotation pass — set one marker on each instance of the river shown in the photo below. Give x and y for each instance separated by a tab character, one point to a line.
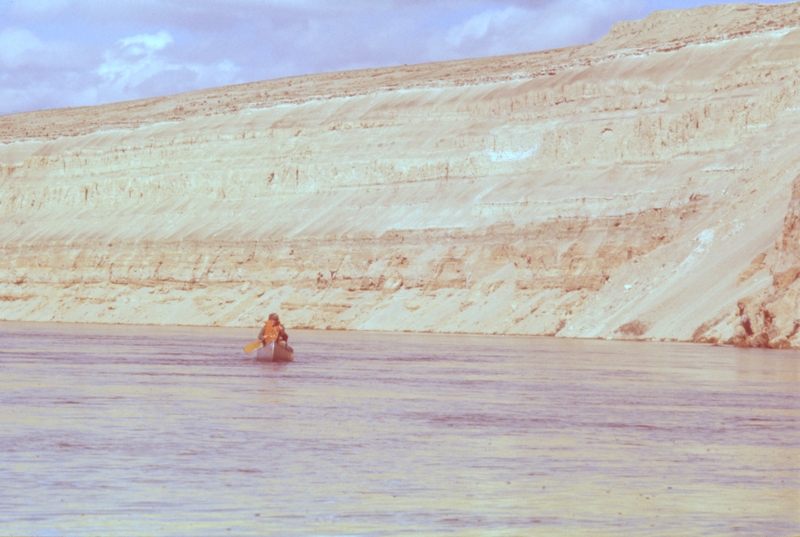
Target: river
111	430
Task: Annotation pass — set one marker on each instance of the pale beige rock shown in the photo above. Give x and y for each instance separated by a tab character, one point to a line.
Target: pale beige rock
635	188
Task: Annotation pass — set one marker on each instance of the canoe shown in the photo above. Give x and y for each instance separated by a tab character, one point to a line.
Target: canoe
275	353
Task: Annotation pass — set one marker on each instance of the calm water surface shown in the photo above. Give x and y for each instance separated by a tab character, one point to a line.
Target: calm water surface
174	431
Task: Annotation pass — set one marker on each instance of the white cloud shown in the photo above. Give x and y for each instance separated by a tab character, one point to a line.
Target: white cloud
17	47
478	26
499	30
140	66
145	44
134	59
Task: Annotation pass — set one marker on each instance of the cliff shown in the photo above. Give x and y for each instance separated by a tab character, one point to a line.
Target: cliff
640	187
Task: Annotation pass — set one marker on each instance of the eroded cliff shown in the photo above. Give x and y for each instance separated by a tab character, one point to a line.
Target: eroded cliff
639	187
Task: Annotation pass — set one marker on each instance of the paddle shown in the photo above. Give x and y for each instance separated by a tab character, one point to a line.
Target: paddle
252	346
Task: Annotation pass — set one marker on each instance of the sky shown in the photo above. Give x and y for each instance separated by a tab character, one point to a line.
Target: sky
60	53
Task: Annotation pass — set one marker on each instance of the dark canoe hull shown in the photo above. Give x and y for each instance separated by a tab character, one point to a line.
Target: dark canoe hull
275	353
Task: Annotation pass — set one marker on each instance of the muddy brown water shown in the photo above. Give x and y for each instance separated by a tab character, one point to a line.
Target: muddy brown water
110	430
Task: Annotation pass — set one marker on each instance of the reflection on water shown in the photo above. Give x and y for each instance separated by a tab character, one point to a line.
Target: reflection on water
173	431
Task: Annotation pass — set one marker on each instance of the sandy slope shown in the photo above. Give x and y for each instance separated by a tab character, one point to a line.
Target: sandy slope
638	187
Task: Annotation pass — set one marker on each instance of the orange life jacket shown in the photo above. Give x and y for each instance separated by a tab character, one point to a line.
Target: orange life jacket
270	332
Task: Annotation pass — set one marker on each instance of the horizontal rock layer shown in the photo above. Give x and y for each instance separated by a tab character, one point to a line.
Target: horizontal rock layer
639	187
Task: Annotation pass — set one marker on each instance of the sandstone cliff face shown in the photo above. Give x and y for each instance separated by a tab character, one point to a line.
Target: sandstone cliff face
637	188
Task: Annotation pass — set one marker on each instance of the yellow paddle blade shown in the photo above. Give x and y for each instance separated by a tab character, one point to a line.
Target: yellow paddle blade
252	346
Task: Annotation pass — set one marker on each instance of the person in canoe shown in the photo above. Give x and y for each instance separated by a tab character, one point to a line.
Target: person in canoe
273	330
